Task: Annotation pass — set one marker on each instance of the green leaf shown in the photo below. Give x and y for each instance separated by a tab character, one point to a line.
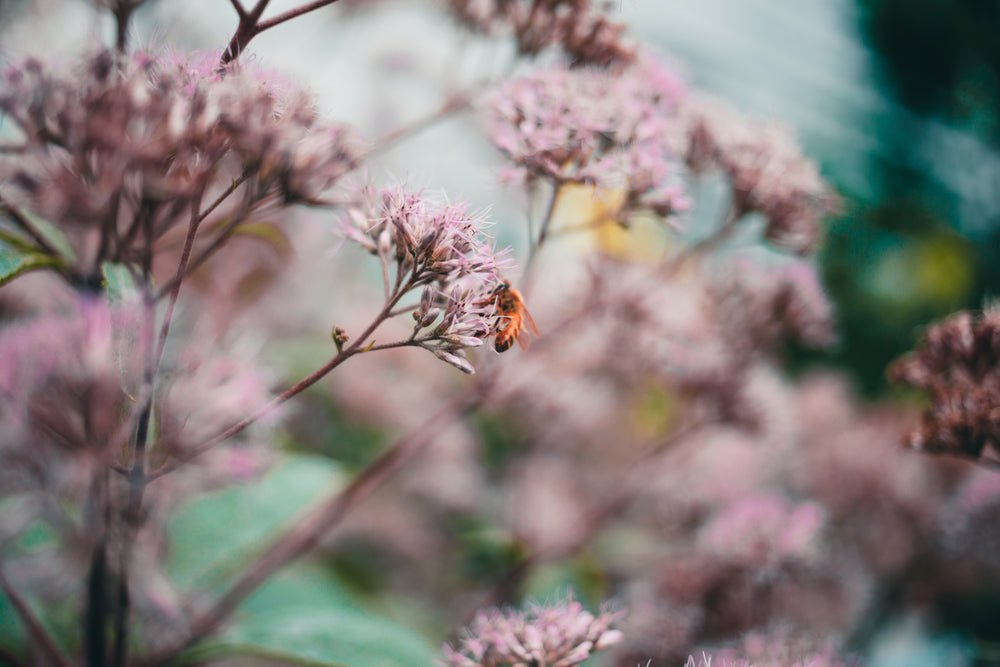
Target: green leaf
15	261
321	636
119	284
213	536
52	234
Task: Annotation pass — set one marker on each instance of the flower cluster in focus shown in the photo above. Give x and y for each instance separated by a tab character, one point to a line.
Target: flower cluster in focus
440	251
559	635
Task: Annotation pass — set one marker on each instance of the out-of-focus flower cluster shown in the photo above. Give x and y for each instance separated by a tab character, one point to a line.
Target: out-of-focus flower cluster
581	30
440	251
558	635
596	127
71	382
71	401
766	168
958	366
122	149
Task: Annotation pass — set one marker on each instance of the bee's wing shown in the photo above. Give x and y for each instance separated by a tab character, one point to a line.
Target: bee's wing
531	322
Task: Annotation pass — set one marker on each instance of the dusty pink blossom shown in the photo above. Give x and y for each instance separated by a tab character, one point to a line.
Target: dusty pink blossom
117	152
563	634
957	366
439	253
598	128
766	169
580	28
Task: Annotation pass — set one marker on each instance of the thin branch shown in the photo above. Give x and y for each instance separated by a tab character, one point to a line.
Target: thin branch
123	13
707	244
175	290
205	254
240	11
33	625
453	104
291	14
305	535
247	29
354	348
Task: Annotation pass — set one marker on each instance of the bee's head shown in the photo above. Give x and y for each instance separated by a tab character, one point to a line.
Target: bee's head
503	285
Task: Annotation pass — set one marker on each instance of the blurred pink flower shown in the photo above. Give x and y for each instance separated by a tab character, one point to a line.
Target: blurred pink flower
582	31
563	634
958	366
766	168
608	129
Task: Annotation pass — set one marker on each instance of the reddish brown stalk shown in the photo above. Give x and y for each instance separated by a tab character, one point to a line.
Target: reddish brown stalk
39	635
314	377
250	24
305	535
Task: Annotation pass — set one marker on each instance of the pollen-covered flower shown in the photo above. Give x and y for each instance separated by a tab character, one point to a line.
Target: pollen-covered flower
439	252
559	635
612	130
120	150
580	29
958	365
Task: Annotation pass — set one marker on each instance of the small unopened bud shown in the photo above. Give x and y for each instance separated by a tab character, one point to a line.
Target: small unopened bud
430	316
455	360
463	341
339	338
427	298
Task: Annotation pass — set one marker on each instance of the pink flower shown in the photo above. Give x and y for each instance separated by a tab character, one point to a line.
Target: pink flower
583	32
439	252
596	127
766	170
119	151
559	635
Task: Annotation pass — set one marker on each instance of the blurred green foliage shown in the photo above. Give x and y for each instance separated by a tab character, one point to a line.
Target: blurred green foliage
914	248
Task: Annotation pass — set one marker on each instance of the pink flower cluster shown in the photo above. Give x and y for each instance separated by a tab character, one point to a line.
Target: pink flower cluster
121	150
609	129
559	635
767	171
440	250
957	366
583	32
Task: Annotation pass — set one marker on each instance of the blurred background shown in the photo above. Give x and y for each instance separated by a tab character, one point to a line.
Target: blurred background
896	100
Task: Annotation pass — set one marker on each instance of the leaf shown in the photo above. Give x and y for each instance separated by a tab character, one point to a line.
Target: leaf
269	233
15	262
211	537
119	284
321	636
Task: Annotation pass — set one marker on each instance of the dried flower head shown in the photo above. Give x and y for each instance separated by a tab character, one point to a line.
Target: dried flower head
581	30
440	252
766	169
598	128
124	148
559	635
958	365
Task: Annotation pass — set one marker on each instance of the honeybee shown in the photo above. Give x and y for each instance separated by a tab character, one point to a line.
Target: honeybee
512	318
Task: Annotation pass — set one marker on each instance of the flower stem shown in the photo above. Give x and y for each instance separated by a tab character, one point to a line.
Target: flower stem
39	635
306	534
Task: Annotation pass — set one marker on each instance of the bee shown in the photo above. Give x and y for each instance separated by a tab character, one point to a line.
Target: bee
512	318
